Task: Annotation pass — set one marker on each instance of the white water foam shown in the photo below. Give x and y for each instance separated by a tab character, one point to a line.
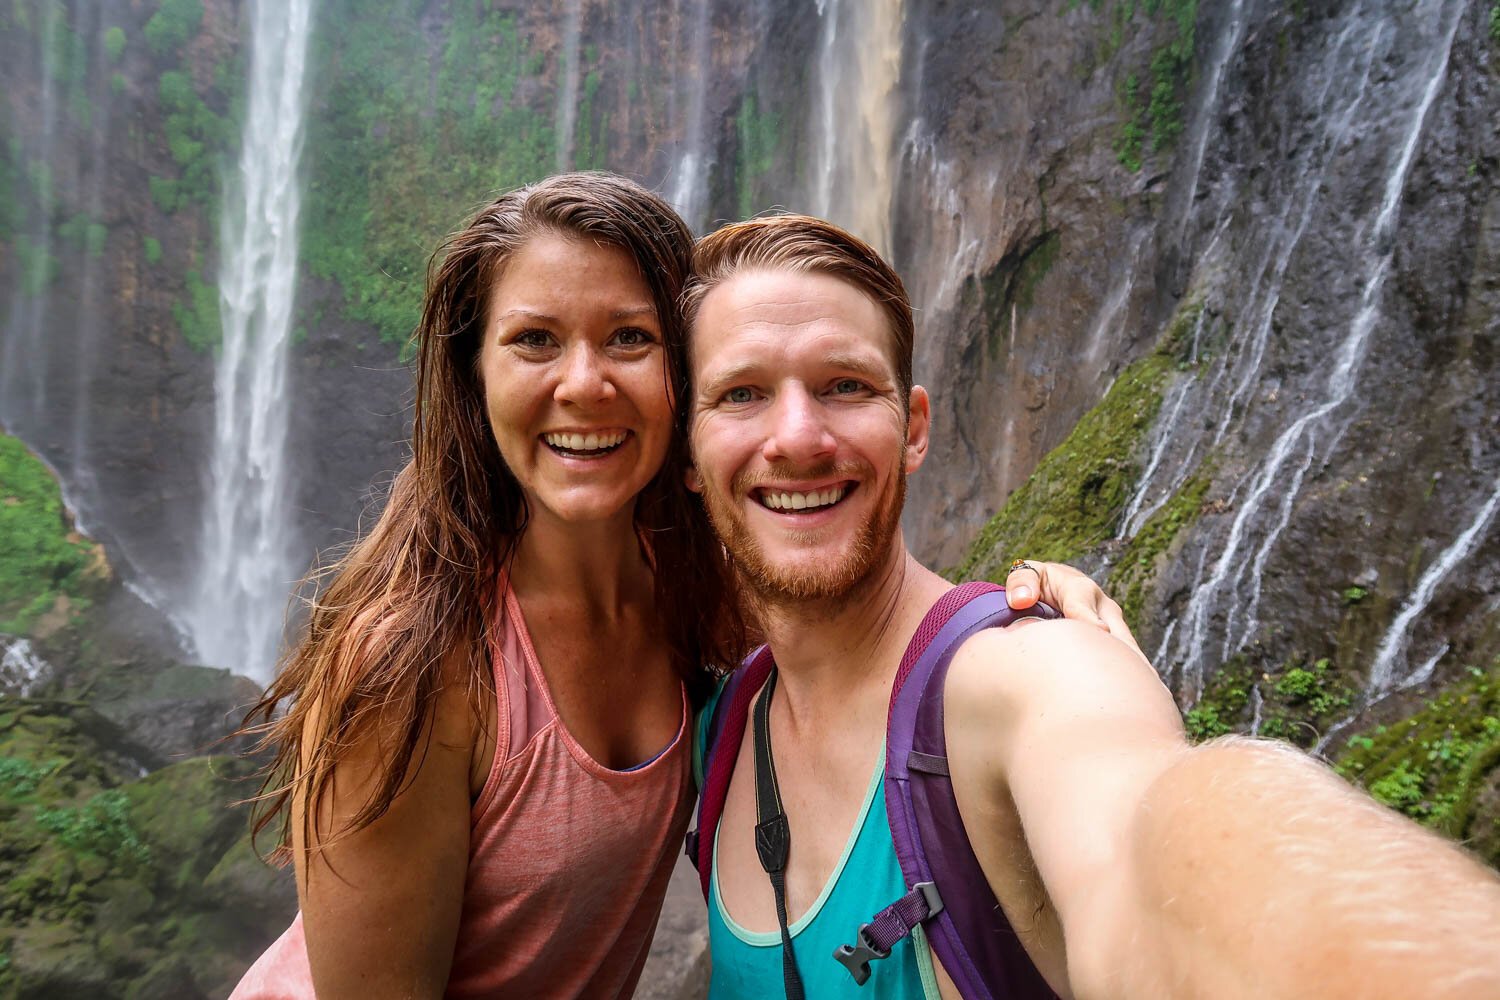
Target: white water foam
1392	649
247	548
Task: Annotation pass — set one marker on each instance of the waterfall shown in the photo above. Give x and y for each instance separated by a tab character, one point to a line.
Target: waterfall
1309	434
247	550
26	360
565	121
855	116
688	190
1393	646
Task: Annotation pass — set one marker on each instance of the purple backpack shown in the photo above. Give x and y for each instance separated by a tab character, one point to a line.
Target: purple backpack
947	891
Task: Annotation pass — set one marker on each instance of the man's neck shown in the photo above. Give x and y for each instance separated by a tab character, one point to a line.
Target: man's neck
836	654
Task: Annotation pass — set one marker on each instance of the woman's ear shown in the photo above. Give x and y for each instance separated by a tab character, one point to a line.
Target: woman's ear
692	480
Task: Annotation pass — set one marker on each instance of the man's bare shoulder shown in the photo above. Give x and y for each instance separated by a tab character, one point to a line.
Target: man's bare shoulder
1002	677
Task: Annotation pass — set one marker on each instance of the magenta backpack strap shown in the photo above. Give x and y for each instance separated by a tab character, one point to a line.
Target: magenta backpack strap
726	731
948	892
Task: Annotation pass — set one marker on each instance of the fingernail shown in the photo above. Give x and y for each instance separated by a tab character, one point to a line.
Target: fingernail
1021	593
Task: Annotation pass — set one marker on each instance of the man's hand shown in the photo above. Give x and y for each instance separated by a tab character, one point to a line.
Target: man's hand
1070	592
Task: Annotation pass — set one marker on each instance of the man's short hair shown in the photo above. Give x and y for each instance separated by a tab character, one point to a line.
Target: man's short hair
804	244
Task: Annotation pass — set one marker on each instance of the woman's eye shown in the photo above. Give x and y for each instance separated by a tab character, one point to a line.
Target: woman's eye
739	394
634	337
847	386
533	338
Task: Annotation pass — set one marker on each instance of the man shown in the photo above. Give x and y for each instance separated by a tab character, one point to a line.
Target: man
1128	863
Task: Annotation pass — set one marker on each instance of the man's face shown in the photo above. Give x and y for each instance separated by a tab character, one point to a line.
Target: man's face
800	439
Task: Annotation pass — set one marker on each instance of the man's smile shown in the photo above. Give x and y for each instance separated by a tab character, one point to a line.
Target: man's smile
788	500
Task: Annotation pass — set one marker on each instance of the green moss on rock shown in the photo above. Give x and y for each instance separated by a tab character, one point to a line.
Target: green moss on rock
43	561
1147	549
1073	500
1438	764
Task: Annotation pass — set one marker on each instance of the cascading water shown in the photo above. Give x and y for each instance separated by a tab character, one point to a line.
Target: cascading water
1224	596
855	116
1393	647
247	552
688	187
565	121
24	371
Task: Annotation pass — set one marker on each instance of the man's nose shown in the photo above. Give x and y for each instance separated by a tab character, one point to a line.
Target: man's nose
799	429
585	378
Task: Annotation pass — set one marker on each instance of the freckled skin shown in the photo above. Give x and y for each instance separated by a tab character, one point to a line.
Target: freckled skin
581	354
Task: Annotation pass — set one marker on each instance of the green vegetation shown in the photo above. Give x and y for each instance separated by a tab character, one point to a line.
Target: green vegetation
151	246
110	878
1434	765
1150	99
35	264
759	140
174	22
198	315
397	155
83	234
1298	701
1354	594
114	43
43	562
195	136
1146	549
1074	499
1495	23
1221	710
99	826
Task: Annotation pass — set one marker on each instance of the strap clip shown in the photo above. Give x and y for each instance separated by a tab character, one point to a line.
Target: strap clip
858	956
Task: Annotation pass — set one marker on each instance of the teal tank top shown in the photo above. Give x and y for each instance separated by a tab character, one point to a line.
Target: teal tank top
866	879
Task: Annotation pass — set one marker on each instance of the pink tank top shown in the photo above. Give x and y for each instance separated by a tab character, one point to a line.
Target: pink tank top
568	860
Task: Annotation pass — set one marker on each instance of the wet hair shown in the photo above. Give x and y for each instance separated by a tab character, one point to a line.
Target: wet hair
409	609
804	244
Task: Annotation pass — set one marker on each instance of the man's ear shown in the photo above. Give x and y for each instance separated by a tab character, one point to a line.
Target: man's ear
918	426
692	480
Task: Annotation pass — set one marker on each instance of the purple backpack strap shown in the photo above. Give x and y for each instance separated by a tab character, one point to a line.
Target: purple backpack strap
726	731
949	894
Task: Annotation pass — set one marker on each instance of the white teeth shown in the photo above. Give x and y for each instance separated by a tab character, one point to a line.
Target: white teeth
585	442
802	501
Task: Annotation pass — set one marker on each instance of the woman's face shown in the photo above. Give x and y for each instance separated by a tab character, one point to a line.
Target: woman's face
574	375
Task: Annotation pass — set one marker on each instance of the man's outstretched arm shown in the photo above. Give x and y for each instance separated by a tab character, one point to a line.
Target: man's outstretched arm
1234	869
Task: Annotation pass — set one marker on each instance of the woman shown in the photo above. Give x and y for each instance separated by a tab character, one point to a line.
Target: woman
483	778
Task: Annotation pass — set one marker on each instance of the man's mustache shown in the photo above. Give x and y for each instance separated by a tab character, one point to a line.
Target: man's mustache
783	472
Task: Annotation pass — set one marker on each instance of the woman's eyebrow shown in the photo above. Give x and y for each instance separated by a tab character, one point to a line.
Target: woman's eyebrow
623	312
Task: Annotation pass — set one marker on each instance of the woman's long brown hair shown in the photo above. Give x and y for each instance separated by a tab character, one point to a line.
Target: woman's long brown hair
417	595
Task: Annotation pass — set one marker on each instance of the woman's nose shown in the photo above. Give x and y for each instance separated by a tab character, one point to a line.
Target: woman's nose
584	380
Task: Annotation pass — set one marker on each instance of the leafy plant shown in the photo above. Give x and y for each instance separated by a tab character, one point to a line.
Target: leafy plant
114	43
100	826
174	22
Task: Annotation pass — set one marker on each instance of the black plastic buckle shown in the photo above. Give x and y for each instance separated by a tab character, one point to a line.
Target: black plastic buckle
858	956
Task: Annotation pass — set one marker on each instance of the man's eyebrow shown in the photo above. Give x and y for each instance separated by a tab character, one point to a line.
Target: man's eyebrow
725	377
863	364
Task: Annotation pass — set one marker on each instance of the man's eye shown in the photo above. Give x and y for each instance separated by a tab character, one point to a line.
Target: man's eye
846	386
634	337
739	394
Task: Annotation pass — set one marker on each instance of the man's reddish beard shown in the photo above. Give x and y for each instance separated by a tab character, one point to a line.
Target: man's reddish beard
836	581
